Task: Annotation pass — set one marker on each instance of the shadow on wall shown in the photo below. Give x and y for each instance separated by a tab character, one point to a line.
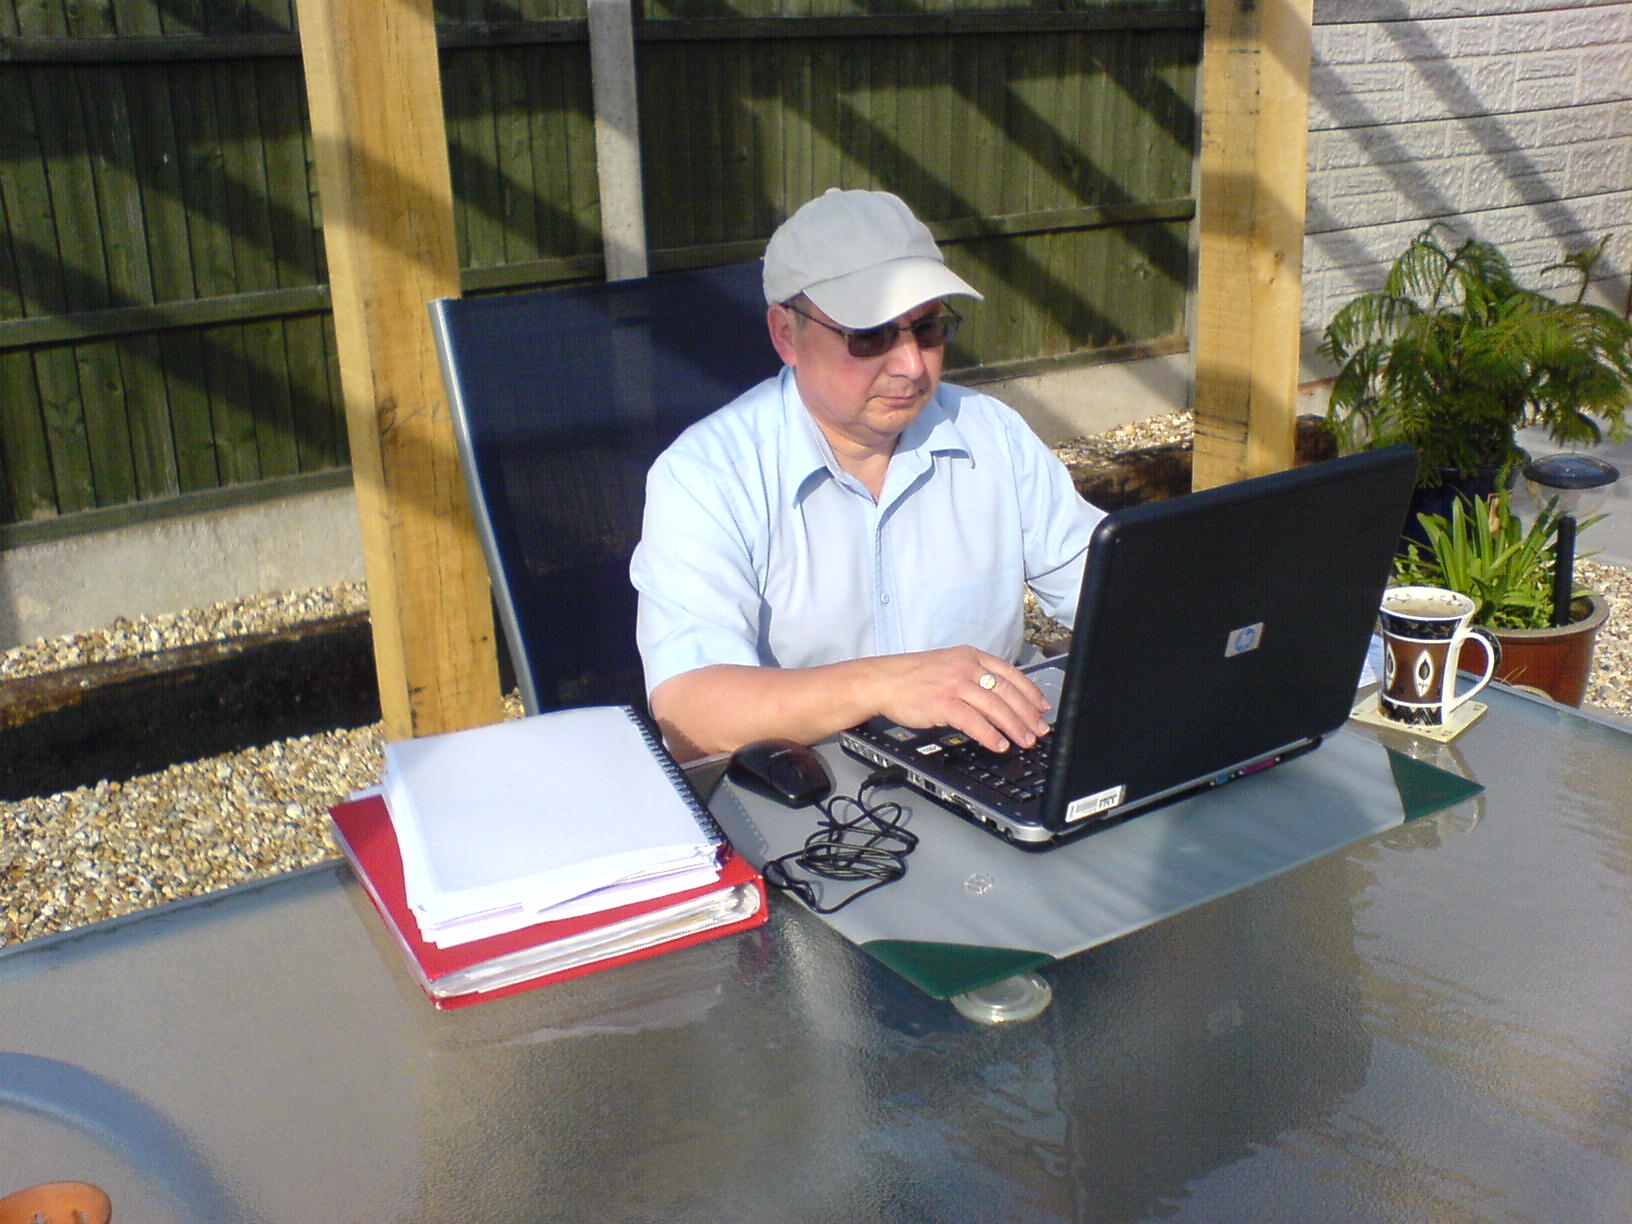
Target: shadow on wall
1518	180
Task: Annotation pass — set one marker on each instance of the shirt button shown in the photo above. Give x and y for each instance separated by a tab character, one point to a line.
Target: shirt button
883	599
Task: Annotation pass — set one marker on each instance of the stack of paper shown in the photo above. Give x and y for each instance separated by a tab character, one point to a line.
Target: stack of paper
531	851
548	817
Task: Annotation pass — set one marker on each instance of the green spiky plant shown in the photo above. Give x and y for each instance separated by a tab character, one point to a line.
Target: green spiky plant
1453	355
1483	550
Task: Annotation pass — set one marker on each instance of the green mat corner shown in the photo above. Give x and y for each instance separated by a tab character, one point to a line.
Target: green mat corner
942	970
1425	788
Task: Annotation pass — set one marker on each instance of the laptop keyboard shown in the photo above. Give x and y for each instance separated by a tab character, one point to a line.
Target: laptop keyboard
1018	774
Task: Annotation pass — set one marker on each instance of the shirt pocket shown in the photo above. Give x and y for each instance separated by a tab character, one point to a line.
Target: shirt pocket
984	612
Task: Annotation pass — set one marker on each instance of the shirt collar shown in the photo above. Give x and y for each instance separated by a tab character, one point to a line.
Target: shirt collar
808	459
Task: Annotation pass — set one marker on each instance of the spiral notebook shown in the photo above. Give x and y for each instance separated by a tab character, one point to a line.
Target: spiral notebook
543	818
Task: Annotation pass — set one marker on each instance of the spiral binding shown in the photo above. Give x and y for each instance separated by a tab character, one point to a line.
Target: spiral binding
677	776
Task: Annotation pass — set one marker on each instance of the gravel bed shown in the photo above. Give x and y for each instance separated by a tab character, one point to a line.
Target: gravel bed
104	850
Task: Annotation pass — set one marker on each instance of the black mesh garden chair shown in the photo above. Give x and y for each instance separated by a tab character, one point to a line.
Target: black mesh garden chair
561	399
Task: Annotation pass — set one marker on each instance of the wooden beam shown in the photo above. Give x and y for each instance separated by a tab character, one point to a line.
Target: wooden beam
617	138
1254	143
374	88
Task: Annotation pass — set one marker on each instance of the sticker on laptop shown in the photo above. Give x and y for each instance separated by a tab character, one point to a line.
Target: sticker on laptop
1093	805
1244	639
927	749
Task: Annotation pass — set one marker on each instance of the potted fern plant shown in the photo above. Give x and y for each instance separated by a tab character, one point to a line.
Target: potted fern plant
1484	550
1453	355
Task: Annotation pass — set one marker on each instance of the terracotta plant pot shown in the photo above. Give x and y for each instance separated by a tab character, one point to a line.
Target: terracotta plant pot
1556	661
64	1202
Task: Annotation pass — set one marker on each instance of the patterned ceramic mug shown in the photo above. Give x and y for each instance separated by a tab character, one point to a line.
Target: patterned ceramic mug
1423	632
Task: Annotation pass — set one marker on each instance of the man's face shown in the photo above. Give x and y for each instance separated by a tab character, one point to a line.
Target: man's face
859	402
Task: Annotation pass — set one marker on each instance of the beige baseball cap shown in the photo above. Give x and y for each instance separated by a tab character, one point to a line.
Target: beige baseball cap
859	255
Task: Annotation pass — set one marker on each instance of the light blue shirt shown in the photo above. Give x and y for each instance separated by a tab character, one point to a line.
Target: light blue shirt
757	548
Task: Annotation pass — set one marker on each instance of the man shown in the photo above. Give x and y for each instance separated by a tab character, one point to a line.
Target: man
851	537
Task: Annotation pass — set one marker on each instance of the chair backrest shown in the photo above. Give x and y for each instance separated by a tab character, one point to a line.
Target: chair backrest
561	399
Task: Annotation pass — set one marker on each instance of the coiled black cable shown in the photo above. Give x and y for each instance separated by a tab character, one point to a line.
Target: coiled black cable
854	840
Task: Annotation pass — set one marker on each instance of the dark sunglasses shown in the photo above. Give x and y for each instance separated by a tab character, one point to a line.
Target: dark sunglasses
932	331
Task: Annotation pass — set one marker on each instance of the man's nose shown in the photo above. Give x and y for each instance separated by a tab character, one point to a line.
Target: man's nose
905	356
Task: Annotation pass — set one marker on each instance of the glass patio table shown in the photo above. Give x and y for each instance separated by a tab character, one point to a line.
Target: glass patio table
1434	1024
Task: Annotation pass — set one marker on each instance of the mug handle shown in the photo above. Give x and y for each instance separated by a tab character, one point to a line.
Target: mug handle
1493	659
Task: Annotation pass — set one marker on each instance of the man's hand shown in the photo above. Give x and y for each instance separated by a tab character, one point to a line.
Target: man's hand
986	698
723	706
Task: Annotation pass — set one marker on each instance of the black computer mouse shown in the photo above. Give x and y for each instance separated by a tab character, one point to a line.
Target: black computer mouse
781	769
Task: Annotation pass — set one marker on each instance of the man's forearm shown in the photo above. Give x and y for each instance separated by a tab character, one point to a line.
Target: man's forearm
722	707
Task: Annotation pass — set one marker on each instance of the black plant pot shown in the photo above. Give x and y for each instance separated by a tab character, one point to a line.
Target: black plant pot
1439	498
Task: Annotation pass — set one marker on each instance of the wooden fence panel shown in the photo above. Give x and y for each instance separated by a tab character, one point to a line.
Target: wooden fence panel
163	325
963	138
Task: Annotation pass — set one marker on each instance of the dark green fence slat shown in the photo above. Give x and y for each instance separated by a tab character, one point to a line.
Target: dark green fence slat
30	488
296	232
136	19
232	419
162	188
318	440
471	138
147	408
137	457
77	245
204	194
255	264
294	228
550	153
68	236
42	18
33	282
106	429
703	104
62	409
192	429
90	18
514	141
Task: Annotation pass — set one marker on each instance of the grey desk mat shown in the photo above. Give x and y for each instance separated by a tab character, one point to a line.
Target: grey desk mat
972	909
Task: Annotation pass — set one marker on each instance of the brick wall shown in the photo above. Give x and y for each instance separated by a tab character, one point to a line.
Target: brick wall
1511	119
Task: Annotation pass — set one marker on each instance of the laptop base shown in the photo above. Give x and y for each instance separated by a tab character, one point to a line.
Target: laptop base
1035	836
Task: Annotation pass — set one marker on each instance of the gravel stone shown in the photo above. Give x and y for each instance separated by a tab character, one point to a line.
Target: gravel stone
100	851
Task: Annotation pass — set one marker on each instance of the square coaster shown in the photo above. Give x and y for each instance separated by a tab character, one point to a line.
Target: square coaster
1368	710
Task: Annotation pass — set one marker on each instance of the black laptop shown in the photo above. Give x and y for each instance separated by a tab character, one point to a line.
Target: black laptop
1217	634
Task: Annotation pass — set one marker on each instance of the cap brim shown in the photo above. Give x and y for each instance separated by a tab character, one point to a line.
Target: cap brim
874	296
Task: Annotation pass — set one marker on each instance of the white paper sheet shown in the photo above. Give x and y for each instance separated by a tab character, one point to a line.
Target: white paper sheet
550	816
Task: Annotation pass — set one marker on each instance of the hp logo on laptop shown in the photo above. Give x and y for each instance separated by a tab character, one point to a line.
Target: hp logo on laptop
1244	639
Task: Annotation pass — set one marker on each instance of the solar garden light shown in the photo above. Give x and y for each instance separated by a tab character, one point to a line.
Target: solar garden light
1573	486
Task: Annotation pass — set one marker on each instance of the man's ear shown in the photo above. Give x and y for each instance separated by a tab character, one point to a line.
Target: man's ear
779	322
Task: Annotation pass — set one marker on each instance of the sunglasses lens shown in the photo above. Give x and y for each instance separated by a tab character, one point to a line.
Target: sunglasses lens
932	332
874	342
935	330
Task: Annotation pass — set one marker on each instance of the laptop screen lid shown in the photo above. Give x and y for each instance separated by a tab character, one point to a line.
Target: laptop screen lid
1216	632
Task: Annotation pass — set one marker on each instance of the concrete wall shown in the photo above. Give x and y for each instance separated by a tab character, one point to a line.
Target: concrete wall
83	582
1511	119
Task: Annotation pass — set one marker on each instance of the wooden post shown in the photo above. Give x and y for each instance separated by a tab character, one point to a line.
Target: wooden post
1254	150
374	88
617	138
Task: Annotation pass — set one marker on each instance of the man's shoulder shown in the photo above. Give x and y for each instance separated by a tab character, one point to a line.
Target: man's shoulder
747	424
958	400
973	411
